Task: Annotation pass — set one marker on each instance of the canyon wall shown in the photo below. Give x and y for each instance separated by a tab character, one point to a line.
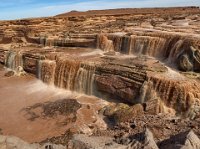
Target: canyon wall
142	55
122	82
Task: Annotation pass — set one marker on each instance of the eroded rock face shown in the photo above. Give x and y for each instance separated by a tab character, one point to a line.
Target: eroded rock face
138	58
189	60
130	80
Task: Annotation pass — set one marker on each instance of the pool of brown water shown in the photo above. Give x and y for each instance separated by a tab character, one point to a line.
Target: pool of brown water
19	93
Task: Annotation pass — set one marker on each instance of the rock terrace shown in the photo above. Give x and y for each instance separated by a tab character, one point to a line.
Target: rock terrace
144	64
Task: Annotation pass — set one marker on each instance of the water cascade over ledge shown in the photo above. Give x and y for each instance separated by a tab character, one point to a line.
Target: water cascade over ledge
114	76
13	60
68	74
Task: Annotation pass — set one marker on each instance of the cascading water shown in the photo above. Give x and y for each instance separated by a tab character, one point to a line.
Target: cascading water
65	73
85	79
104	43
42	41
168	47
117	42
10	60
137	45
125	47
78	76
39	69
143	45
14	60
46	71
68	74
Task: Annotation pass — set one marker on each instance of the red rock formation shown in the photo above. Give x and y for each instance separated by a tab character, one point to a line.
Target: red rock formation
129	32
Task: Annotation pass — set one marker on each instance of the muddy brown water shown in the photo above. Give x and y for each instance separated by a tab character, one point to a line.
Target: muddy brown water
17	93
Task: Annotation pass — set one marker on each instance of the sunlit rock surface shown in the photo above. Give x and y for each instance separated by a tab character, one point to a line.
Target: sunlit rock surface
109	73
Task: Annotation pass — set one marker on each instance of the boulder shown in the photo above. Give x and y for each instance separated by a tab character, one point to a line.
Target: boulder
189	60
10	142
185	64
184	140
144	140
81	141
122	112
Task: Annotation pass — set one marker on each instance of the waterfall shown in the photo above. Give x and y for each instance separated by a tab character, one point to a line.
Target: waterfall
145	45
125	47
65	73
85	79
117	42
14	60
10	60
49	42
104	43
158	46
133	44
42	40
68	74
39	66
46	71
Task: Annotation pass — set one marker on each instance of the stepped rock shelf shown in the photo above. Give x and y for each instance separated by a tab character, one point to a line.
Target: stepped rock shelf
146	61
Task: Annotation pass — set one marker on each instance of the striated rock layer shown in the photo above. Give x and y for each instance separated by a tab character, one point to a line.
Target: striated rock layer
146	58
128	80
144	62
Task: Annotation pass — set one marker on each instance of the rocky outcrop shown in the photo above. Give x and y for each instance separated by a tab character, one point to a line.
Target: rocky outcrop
16	143
31	63
120	113
83	142
134	58
189	60
132	65
108	78
70	41
3	56
144	140
120	81
186	140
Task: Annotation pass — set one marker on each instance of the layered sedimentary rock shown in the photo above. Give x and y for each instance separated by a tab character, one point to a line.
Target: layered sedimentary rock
144	62
3	56
70	41
61	51
173	48
120	81
32	63
109	79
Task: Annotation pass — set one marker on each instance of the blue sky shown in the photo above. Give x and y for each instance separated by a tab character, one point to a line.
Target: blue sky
15	9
